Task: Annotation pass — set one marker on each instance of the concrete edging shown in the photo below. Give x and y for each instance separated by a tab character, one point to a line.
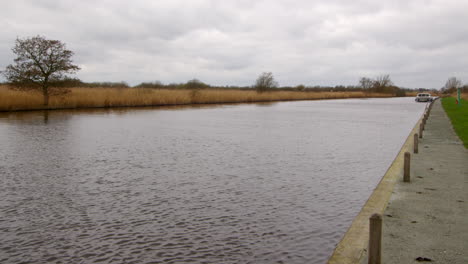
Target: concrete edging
353	245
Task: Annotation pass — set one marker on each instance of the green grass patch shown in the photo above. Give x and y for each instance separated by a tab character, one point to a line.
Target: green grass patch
458	114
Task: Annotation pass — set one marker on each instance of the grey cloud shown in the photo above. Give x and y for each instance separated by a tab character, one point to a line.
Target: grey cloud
231	42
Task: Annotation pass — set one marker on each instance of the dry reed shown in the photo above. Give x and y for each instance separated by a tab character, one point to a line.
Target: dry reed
11	100
464	96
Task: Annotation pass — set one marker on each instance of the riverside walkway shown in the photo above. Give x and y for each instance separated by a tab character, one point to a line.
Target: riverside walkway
426	220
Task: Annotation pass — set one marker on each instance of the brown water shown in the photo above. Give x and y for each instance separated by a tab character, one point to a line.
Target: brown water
274	183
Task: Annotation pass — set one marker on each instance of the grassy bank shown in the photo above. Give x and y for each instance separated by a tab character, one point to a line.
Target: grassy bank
11	100
458	114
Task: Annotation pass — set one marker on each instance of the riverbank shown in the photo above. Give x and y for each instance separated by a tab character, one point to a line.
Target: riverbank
426	219
11	100
423	220
353	245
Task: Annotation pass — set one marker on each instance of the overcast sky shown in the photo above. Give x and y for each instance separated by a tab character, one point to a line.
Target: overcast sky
420	43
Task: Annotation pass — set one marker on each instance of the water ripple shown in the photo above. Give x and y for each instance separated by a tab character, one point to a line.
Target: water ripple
235	184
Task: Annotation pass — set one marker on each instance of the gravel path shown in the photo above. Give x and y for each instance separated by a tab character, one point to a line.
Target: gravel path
426	220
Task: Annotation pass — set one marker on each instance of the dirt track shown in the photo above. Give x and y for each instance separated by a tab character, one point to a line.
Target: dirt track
427	218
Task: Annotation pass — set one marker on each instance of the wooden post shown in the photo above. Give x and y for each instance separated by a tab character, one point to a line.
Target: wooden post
406	167
415	144
375	239
421	127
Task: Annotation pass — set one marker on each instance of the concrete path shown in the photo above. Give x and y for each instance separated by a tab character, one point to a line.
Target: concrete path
426	220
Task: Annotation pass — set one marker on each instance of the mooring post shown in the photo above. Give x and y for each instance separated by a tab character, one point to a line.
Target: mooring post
375	239
421	127
415	144
406	167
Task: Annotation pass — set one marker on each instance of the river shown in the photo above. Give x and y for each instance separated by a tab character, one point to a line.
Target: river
245	183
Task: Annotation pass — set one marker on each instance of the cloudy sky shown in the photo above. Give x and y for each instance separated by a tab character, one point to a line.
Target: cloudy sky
420	43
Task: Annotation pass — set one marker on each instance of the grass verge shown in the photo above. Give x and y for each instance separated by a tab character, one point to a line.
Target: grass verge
458	114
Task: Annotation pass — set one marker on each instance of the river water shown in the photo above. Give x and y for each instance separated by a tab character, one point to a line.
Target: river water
249	183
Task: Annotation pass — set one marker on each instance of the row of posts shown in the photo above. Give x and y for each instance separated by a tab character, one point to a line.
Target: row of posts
375	221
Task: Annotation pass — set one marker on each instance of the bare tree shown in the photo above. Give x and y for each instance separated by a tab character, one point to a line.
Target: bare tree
39	63
366	83
382	82
452	85
196	84
300	87
265	82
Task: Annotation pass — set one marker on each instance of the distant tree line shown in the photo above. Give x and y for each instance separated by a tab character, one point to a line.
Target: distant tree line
44	65
365	84
381	84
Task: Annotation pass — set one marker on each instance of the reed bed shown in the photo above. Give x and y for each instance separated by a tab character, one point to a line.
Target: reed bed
464	96
12	100
411	94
